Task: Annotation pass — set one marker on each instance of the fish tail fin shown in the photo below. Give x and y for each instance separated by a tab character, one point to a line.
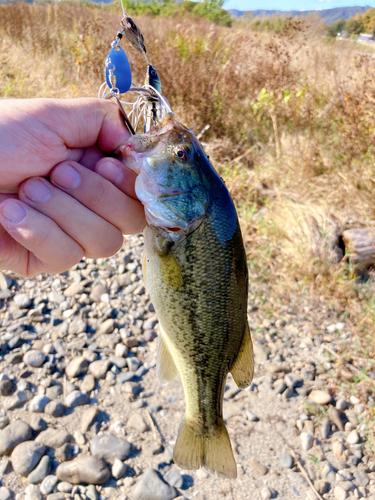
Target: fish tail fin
213	451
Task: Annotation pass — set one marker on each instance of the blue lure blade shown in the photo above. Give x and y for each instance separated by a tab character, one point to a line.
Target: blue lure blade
117	61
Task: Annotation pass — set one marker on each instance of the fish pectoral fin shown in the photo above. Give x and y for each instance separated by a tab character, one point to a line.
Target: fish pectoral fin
166	369
212	451
243	369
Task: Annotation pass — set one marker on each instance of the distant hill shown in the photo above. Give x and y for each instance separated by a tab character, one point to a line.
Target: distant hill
329	15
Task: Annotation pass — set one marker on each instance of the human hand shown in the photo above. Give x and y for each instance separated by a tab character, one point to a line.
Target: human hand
61	197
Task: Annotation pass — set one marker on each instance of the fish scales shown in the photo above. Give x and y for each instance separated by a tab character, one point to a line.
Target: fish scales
196	273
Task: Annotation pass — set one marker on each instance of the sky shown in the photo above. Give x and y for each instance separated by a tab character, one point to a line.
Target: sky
293	4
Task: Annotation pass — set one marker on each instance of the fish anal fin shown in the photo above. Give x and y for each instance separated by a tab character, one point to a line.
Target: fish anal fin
243	368
213	451
166	369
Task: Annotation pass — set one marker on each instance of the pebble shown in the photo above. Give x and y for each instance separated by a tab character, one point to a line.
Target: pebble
137	422
91	492
133	364
41	471
25	457
258	467
65	487
74	289
266	493
353	437
321	486
84	469
118	469
55	408
22	300
360	477
293	380
53	438
106	327
173	478
320	397
87	418
99	368
335	417
5	493
37	423
286	460
88	383
14	434
110	447
279	386
33	493
152	487
307	440
77	398
149	449
251	417
48	484
18	399
77	366
324	428
38	403
54	392
34	358
338	449
64	452
339	493
261	352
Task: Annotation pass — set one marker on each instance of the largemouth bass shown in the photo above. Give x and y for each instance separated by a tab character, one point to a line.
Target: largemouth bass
195	271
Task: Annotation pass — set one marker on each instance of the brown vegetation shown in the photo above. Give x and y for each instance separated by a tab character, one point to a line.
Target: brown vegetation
292	121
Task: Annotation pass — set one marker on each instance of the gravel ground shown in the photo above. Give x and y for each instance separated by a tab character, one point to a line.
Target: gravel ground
83	416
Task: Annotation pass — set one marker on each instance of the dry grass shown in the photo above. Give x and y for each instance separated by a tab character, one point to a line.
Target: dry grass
292	121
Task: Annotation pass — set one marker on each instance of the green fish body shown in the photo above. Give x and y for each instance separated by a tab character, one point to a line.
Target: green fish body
196	274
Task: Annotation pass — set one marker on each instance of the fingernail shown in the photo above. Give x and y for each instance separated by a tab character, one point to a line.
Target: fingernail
13	211
66	177
111	172
36	190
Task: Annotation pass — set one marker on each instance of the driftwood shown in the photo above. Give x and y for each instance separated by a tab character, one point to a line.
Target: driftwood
360	244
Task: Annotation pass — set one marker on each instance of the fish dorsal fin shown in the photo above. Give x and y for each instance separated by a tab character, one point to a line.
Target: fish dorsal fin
243	368
166	369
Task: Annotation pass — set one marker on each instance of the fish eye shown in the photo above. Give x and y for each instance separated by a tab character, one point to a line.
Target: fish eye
181	152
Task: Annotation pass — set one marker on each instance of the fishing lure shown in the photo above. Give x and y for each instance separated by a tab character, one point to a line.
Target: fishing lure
150	105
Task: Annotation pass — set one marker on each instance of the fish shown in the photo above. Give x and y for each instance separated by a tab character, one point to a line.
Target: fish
196	273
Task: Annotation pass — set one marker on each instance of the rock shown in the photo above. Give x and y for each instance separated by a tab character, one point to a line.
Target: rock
118	361
261	352
202	474
321	486
173	478
65	452
54	437
131	388
335	417
279	386
77	326
88	383
5	493
38	403
307	440
84	469
4	419
55	408
65	487
34	358
152	487
110	447
231	410
97	291
77	366
327	472
149	449
6	387
77	398
18	399
92	493
133	364
5	281
136	421
341	404
258	467
320	397
33	493
130	342
339	493
266	493
25	457
360	477
99	368
353	437
16	433
88	417
41	471
60	496
54	391
121	351
48	484
338	449
37	423
149	335
22	300
74	289
251	416
324	428
286	461
118	469
293	381
106	327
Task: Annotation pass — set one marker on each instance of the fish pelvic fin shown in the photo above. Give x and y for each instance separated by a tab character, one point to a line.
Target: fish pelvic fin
213	451
243	369
166	369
